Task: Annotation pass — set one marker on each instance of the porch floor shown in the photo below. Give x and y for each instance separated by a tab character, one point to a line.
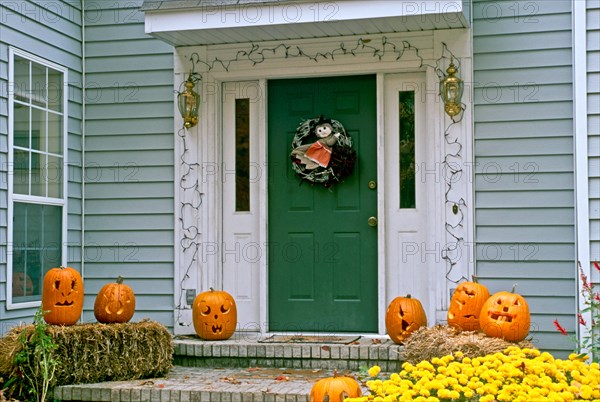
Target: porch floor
243	370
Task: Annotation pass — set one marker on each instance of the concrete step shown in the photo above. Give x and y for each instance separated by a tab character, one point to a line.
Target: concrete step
196	384
239	351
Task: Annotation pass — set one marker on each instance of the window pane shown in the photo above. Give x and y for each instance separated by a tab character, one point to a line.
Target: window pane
242	155
37	247
54	176
38	85
21	172
407	149
21	84
55	90
21	126
55	134
38	171
38	129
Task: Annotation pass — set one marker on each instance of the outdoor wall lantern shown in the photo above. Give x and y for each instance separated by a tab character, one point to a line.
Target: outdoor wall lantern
451	91
188	102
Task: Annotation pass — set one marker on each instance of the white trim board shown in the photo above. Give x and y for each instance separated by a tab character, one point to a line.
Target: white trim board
582	219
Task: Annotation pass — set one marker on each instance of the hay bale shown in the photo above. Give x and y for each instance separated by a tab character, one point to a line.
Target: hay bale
8	346
97	352
442	340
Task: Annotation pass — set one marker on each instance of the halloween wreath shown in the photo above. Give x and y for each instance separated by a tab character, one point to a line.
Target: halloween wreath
322	152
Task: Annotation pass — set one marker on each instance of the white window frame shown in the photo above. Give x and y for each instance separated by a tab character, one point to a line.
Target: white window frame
62	202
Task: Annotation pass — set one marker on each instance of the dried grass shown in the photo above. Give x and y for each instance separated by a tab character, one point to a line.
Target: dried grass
442	340
90	353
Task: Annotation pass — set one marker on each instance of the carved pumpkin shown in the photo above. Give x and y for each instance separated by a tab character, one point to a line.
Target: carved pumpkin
115	303
22	285
215	315
404	316
335	389
465	305
505	315
62	296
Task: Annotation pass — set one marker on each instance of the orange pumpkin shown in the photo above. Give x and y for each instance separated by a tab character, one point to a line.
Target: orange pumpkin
62	296
465	305
505	315
115	303
215	315
335	389
22	285
404	316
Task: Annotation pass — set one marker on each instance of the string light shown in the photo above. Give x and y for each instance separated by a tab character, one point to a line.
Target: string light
256	54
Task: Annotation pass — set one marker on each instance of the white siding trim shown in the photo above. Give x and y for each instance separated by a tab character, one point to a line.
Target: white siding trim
252	15
582	221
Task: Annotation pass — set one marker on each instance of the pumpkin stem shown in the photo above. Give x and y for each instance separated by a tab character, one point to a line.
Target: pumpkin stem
475	280
335	373
513	288
212	290
408	296
120	280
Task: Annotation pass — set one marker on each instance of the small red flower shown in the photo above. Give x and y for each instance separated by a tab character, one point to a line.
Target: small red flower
584	280
581	320
597	297
560	328
597	265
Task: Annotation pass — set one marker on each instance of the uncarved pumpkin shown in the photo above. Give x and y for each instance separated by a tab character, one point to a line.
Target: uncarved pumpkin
335	389
62	296
215	315
115	303
465	305
404	316
22	285
505	315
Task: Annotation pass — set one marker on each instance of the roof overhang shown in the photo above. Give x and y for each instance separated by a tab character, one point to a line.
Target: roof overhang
203	22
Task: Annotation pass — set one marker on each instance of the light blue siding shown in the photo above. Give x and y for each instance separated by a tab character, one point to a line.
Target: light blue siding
524	181
51	30
129	189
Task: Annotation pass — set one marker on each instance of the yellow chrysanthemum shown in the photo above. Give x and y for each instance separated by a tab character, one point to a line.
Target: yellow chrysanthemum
374	371
515	375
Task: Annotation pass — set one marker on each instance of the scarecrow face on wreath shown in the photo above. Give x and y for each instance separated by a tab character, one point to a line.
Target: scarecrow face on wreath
323	130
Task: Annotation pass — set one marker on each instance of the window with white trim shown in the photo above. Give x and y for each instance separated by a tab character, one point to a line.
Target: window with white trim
36	174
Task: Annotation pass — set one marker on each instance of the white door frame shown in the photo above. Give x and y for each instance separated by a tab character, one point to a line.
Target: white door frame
204	145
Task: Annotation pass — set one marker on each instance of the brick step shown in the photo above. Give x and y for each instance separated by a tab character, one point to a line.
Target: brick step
244	370
197	384
240	352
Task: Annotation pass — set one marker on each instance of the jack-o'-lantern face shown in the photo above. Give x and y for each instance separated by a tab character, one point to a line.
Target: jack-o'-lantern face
62	296
403	317
115	303
215	315
465	305
505	315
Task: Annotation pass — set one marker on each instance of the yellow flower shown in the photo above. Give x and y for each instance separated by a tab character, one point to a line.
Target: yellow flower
374	371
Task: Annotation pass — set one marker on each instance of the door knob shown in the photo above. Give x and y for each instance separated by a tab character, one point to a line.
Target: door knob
372	184
372	221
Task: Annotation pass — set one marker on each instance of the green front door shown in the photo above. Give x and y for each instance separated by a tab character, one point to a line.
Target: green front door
322	251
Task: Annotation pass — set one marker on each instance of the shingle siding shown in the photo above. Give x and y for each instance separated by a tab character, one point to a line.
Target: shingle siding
50	29
129	190
524	181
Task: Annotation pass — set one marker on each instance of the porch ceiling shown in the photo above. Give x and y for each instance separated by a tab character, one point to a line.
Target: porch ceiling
206	22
